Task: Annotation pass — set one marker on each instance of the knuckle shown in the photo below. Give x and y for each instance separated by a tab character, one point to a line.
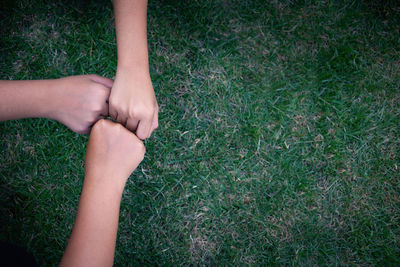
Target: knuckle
99	124
101	121
133	113
122	110
119	127
142	112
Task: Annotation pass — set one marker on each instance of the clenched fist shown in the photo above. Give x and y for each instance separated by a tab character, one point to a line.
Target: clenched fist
133	103
76	101
113	153
79	101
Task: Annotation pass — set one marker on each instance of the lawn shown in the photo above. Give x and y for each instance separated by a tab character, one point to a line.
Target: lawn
279	137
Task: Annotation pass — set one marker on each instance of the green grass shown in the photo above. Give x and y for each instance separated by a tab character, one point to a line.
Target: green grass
279	137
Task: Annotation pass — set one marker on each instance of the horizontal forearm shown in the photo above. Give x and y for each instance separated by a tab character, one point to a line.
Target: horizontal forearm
25	99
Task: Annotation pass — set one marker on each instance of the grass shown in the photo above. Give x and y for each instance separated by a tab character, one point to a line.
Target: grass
278	141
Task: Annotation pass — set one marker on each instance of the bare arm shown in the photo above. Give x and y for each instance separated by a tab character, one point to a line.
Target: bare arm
92	242
131	29
112	154
132	100
76	101
25	99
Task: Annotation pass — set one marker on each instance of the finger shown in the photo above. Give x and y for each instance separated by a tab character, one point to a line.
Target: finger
122	119
102	80
107	93
104	109
112	112
143	129
154	124
131	125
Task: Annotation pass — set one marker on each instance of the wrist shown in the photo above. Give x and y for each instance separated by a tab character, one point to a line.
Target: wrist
52	100
135	70
48	99
104	180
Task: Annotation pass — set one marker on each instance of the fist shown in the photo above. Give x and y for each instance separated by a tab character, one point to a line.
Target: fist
113	152
133	103
80	101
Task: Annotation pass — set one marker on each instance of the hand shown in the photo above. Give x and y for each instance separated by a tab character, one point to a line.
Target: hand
79	101
133	103
113	152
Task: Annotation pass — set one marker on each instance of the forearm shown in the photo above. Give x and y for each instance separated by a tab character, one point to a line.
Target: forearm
131	30
25	99
112	154
132	100
93	238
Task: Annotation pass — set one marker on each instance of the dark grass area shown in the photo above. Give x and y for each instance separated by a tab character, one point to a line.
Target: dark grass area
278	141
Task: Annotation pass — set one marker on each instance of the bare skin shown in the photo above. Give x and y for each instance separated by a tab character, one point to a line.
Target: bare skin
132	100
76	101
112	154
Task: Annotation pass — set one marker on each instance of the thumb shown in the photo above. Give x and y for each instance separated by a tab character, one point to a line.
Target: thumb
102	80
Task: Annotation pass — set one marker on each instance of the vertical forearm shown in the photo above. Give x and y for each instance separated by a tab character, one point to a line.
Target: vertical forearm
132	99
112	154
131	30
25	99
93	238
